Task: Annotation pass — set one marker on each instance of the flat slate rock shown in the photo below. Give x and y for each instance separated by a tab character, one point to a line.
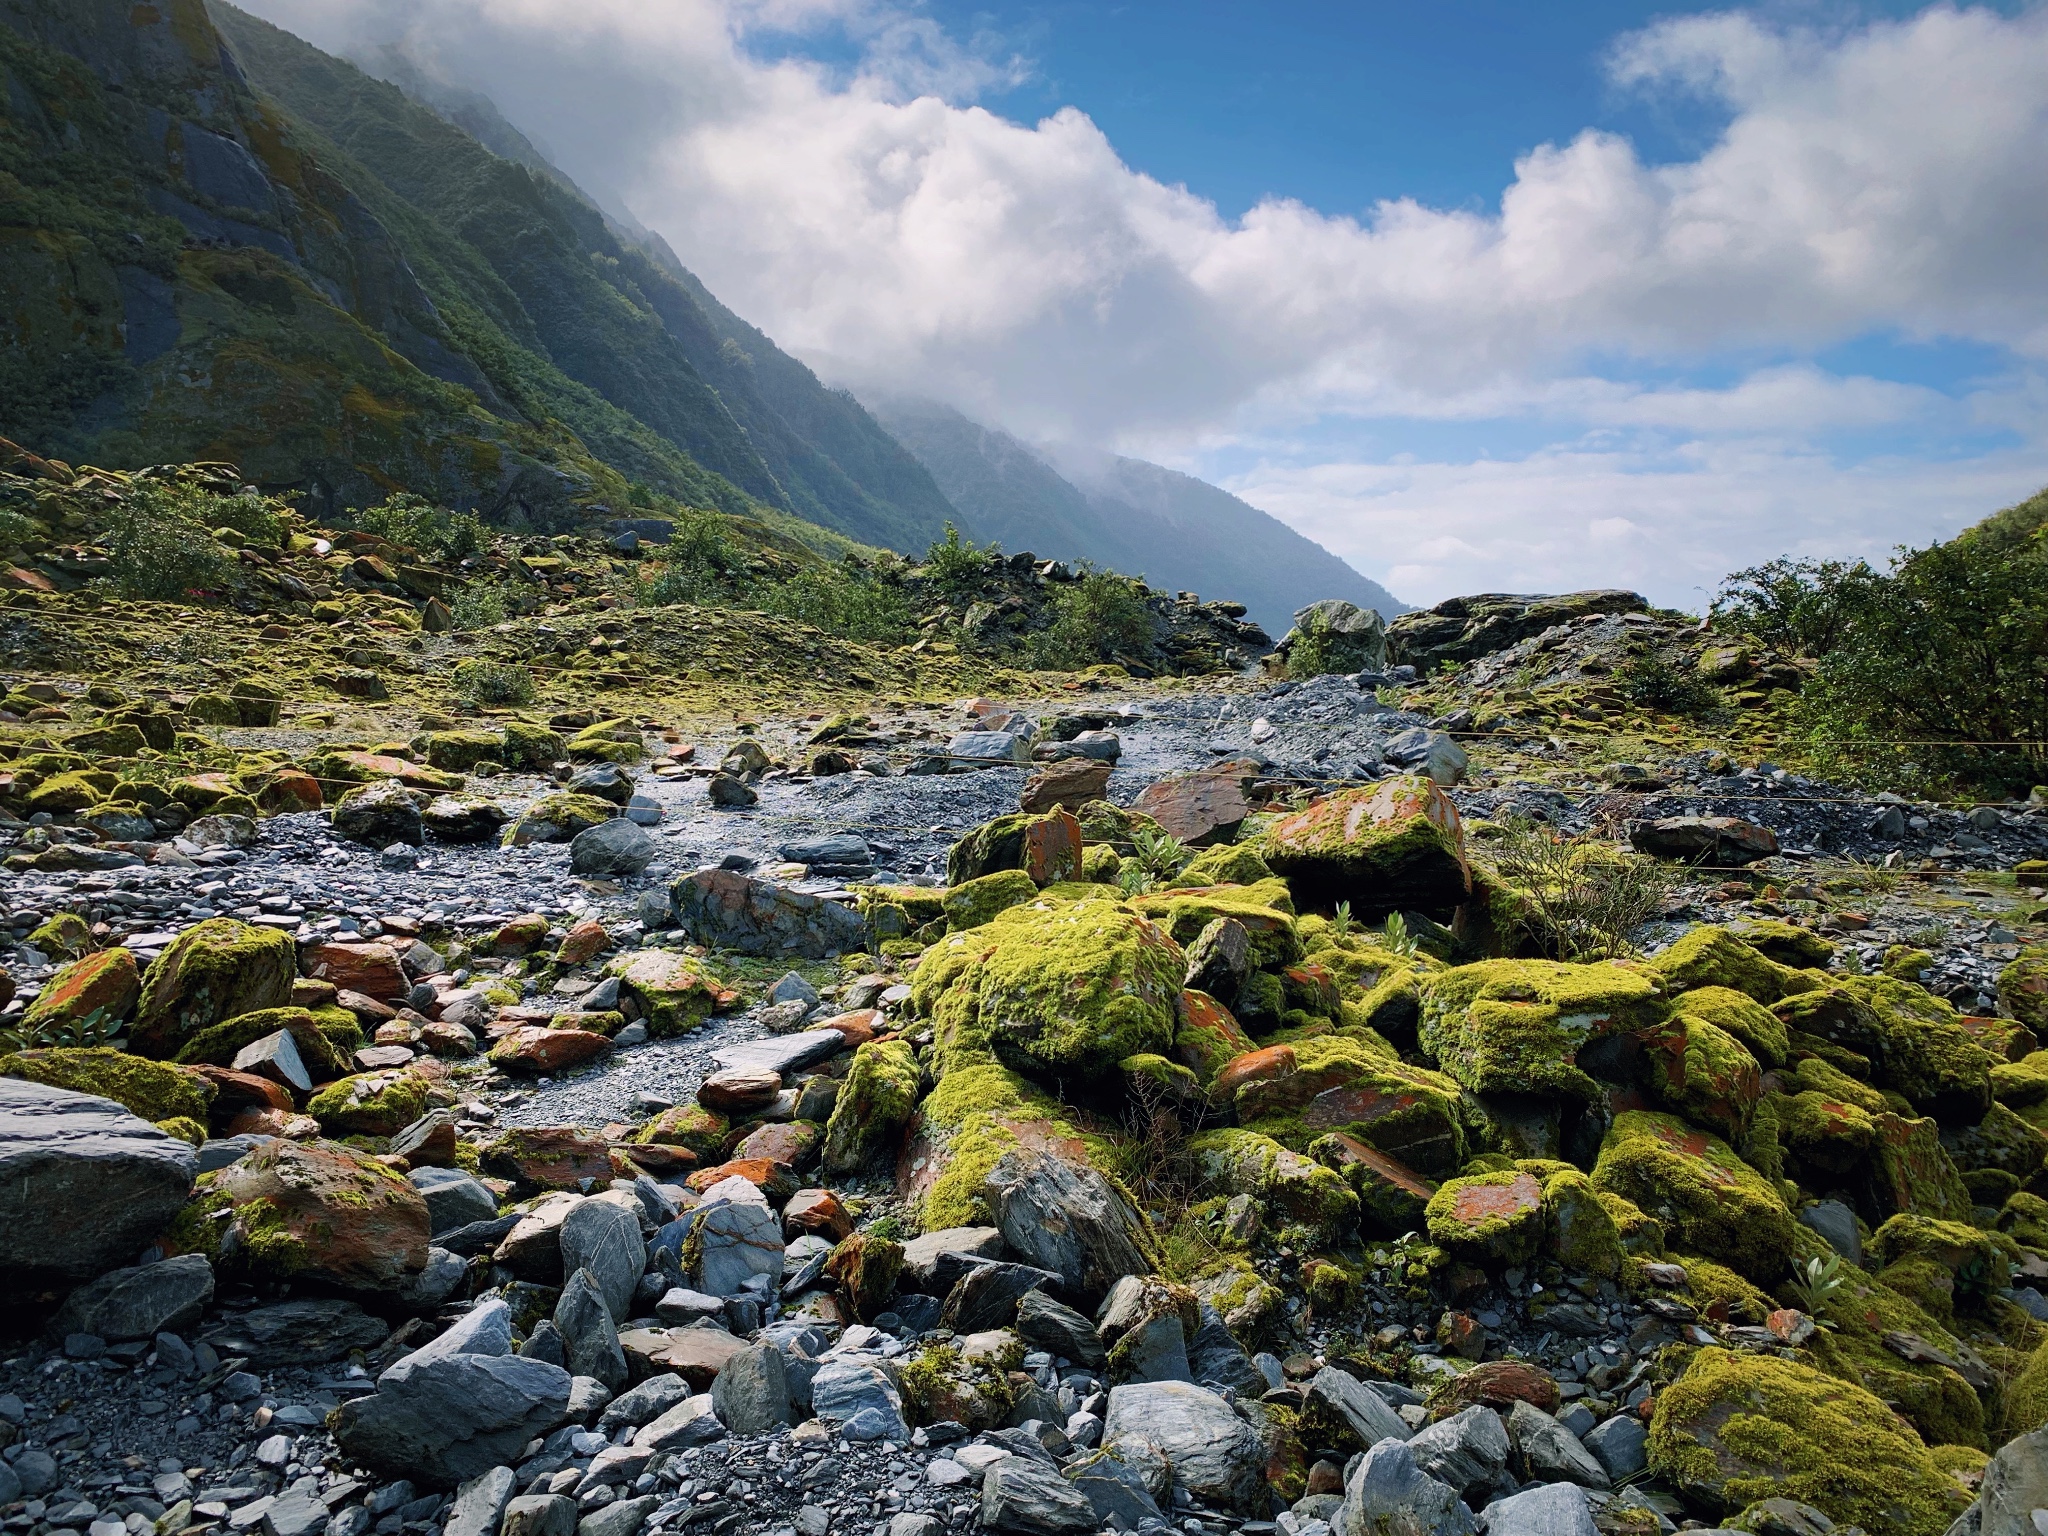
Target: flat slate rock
780	1053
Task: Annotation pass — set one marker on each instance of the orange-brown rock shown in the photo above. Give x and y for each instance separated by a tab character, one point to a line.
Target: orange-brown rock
320	1212
739	1091
1068	785
1202	807
585	941
1499	1384
533	1049
792	1143
773	1179
551	1157
370	968
816	1211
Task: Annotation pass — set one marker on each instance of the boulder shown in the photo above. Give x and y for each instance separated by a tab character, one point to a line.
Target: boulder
149	1089
1389	1494
859	1396
1397	846
736	1235
1344	1401
2015	1486
444	1419
612	850
1468	1450
461	819
1728	841
381	813
479	1504
139	1303
874	1103
1203	807
691	1422
537	1050
1708	1199
454	1199
557	818
1214	1454
215	970
604	1238
728	910
1066	785
304	1332
1068	1218
312	1211
1555	1509
106	982
590	1339
84	1184
1620	1445
1335	636
1029	1498
751	1395
1550	1452
671	989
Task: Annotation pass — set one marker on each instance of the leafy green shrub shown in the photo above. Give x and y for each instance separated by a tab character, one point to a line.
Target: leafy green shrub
1938	678
698	564
255	517
17	529
493	682
1155	858
1569	900
1095	619
842	600
417	524
1312	654
479	605
955	564
1649	681
160	540
1795	605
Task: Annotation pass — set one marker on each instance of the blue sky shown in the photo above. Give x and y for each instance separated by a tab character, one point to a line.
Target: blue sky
1480	295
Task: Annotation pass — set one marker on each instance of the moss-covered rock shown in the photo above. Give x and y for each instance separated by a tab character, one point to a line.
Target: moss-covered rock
1055	988
1787	943
1045	846
1303	1192
1735	1429
900	911
1704	1073
1910	1171
976	1114
690	1126
63	936
1516	1026
1923	1051
875	1102
557	818
2023	988
1708	956
974	903
1393	847
146	1088
79	790
941	1386
326	1038
1978	1262
1579	1228
607	741
1225	864
1742	1016
675	992
1207	1036
1493	1217
370	1103
457	751
1933	1397
107	983
214	970
2002	1142
1707	1198
529	746
1344	1082
1268	924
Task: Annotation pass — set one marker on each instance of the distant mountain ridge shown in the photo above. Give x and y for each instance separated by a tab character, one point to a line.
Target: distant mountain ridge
1180	533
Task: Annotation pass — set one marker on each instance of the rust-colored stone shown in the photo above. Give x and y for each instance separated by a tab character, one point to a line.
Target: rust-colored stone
371	969
1068	784
1499	1384
739	1091
792	1143
773	1179
859	1026
235	1091
585	941
534	1049
1202	807
1051	849
550	1157
1261	1066
290	790
816	1211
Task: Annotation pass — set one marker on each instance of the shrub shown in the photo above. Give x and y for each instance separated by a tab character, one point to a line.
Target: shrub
1648	681
1095	619
479	605
697	565
1795	605
1312	654
493	682
161	542
956	564
1574	900
417	524
842	600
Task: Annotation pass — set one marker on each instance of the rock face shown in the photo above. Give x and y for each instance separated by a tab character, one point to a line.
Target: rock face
84	1184
1465	628
1395	847
2015	1486
1214	1454
729	910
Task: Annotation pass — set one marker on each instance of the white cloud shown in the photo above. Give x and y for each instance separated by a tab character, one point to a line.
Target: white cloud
1888	178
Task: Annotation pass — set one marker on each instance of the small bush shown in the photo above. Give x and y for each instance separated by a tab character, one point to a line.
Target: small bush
1575	900
1795	605
1095	619
160	539
1649	681
842	600
1312	654
417	524
493	682
479	605
956	564
697	565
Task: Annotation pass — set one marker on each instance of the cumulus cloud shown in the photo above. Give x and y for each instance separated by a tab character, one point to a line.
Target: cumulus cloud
1889	178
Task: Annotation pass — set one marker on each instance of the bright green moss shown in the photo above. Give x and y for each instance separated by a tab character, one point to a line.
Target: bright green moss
1271	928
1735	1429
557	818
1497	1217
691	1126
370	1103
972	904
185	1128
1207	1036
217	969
1978	1262
1224	864
1246	1163
1356	1085
1936	1400
146	1088
1707	1199
1786	943
1926	1054
64	936
1703	1072
874	1103
323	1055
1515	1026
975	1115
530	746
1579	1229
1739	1015
899	911
1708	956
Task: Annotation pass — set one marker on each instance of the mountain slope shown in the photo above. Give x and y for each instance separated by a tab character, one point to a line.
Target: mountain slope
621	316
1178	532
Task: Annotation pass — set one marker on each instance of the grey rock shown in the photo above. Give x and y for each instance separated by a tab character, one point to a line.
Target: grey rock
1059	1330
792	988
1430	752
1028	1498
644	811
275	1056
1066	1218
621	1518
690	1423
860	1396
1837	1223
304	1332
1368	1414
1352	639
740	1237
295	1513
84	1184
139	1303
1115	1490
644	1403
612	848
483	1330
681	1306
607	781
1214	1454
454	1198
1468	1450
729	910
1555	1509
442	1421
841	848
480	1503
2015	1485
381	813
441	1278
36	1470
1550	1452
1155	1349
1220	959
921	1255
752	1393
462	818
989	749
1217	1360
590	1339
605	1239
987	1295
782	1055
587	1398
1621	1445
915	1525
1387	1494
539	1514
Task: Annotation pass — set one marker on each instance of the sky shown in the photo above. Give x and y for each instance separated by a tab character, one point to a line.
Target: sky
1481	296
